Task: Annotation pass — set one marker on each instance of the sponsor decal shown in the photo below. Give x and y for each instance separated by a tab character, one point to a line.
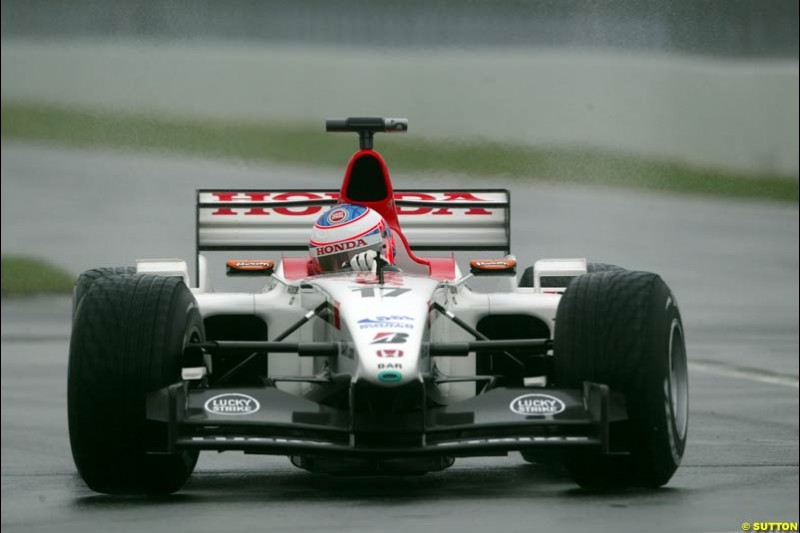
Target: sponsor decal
390	366
390	376
389	337
390	279
387	325
257	197
387	322
249	265
462	196
234	404
493	264
337	215
536	404
387	318
456	197
327	249
389	353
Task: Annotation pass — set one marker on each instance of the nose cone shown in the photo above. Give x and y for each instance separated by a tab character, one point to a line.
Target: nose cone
388	345
387	324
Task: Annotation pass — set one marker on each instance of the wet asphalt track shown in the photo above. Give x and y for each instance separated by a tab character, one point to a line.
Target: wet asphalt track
733	266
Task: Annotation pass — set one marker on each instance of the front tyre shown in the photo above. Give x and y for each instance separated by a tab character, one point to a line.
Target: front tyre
88	277
527	281
128	337
624	329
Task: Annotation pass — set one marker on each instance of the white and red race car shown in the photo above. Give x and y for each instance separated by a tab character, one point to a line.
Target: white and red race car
386	372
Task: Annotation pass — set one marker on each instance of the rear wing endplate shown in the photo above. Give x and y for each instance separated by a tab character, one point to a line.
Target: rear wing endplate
438	219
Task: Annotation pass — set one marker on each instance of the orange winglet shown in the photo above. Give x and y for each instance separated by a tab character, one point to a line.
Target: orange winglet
484	267
256	267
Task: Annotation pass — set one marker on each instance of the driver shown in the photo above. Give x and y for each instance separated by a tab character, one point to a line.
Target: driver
349	237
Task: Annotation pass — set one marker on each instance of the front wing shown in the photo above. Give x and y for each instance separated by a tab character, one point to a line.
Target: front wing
286	424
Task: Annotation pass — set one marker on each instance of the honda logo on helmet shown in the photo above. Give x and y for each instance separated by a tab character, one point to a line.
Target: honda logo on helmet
340	247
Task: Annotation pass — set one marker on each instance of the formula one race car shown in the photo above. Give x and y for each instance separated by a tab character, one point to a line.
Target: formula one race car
388	371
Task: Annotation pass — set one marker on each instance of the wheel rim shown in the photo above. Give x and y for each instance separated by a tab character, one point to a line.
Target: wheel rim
678	378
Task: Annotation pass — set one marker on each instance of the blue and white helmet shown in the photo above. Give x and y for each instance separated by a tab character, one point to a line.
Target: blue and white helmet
345	231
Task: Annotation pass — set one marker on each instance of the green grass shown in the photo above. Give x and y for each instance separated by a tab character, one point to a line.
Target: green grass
26	276
308	144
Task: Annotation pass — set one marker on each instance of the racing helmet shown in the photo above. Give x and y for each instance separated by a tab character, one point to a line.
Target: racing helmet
345	231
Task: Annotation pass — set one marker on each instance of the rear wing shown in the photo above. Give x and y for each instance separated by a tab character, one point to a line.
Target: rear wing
436	219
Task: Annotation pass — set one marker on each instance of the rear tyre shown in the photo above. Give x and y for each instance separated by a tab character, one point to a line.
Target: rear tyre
527	276
128	337
624	329
85	280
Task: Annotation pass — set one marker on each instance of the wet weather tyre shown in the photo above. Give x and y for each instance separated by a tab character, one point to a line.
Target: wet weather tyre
127	340
88	277
623	328
527	275
527	281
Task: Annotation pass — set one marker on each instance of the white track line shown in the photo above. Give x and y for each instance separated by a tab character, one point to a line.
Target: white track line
760	376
